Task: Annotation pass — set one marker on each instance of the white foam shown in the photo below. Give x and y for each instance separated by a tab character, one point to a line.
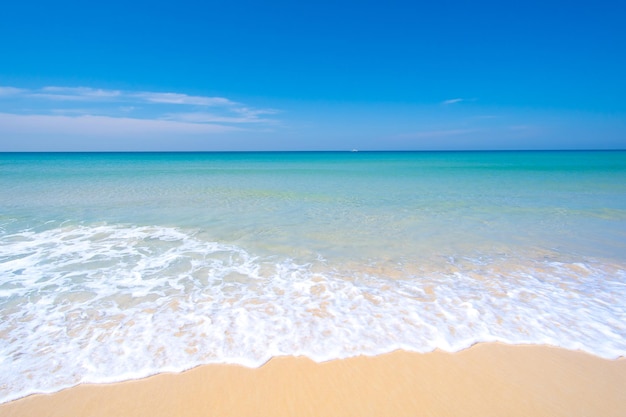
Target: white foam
110	302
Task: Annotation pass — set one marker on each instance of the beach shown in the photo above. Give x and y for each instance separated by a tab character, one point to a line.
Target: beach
250	268
312	209
485	380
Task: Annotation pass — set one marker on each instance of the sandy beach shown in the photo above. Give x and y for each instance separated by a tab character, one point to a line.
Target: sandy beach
485	380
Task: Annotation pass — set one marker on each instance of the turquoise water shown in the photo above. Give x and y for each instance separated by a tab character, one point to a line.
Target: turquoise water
116	266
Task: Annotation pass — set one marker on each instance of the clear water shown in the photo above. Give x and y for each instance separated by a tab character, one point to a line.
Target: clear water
117	266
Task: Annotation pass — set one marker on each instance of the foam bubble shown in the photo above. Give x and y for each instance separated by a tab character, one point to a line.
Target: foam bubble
105	303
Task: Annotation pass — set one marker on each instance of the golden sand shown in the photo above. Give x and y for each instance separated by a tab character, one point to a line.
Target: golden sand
485	380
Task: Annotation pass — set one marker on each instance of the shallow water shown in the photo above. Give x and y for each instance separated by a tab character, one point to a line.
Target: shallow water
116	266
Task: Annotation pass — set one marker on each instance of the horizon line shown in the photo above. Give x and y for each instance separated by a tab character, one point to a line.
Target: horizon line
321	151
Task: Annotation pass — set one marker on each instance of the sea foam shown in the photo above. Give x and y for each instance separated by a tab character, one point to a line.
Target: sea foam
108	302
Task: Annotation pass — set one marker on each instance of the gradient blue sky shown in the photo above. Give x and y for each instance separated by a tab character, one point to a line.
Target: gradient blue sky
288	75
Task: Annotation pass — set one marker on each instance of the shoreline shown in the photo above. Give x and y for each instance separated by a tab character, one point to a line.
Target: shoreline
485	379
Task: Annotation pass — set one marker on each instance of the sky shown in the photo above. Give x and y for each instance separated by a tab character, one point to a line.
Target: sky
312	75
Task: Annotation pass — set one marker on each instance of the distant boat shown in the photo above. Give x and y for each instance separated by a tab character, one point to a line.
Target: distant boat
354	150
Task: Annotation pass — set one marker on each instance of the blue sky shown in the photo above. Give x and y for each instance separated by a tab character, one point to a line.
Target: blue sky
287	75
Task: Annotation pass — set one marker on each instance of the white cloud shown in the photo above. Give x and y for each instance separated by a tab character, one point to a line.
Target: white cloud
453	100
82	91
98	94
75	94
72	112
86	118
10	91
205	117
15	125
177	98
255	112
458	100
146	107
436	133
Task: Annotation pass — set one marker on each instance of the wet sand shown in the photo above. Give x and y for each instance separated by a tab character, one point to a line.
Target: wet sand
485	380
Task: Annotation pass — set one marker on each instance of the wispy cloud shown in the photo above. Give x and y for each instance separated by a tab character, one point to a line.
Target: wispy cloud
9	91
76	93
453	101
437	133
244	116
101	125
98	94
177	98
144	105
95	108
457	100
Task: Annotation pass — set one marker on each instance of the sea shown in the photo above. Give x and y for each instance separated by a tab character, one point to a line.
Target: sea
116	266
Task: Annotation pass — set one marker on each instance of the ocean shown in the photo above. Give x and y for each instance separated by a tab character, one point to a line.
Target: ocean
116	266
